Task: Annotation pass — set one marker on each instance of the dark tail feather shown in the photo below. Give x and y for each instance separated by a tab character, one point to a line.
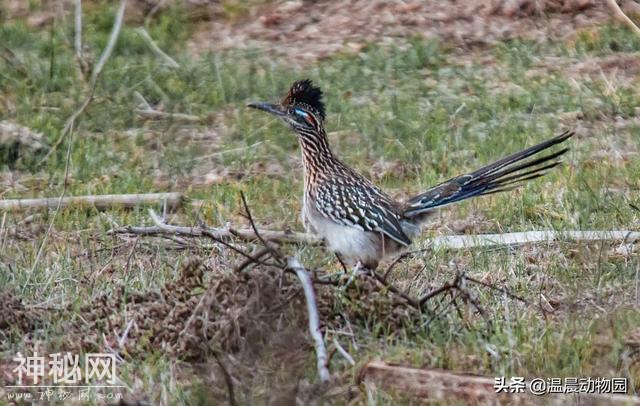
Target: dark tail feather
504	174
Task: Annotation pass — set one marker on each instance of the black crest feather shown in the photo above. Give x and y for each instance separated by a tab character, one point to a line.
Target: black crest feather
304	92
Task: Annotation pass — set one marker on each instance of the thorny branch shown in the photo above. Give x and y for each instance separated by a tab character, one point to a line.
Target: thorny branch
267	253
267	238
223	236
159	222
275	254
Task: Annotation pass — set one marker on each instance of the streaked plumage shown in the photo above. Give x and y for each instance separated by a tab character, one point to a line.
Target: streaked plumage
358	220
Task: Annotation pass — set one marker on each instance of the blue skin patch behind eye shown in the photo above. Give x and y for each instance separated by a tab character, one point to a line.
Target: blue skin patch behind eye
301	112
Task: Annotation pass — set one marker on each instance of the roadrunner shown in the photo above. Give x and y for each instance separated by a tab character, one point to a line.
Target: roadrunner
357	220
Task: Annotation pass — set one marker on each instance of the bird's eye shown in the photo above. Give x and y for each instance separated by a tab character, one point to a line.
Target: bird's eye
306	116
301	113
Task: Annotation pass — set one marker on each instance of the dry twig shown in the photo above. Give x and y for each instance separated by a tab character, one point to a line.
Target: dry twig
227	379
509	239
78	29
159	222
274	253
225	233
161	115
97	70
343	352
314	320
620	15
101	202
428	384
440	242
254	234
156	49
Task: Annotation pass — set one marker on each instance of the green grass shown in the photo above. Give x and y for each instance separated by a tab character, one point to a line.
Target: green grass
414	105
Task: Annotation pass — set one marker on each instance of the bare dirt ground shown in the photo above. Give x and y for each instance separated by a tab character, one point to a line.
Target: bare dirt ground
307	31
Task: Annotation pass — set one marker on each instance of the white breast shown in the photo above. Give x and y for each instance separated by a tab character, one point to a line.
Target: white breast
351	243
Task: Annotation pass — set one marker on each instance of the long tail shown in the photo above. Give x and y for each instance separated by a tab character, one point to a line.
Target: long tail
502	175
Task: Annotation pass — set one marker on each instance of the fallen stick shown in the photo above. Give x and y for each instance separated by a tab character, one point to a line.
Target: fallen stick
156	49
621	16
440	242
225	233
78	29
314	320
101	202
440	385
427	383
343	352
494	240
161	115
160	222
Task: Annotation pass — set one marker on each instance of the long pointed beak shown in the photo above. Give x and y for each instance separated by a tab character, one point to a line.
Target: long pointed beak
269	108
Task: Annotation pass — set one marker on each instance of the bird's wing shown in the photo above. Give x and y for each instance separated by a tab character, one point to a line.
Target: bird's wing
363	207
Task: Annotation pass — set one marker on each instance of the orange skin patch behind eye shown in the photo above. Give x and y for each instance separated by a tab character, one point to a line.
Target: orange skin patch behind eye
311	120
307	116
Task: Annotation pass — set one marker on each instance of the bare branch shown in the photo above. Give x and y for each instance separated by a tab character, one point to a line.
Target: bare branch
428	384
438	291
400	258
275	254
78	29
314	320
156	49
411	301
157	7
97	69
343	352
499	289
508	239
101	202
159	222
245	234
249	261
441	242
161	115
113	38
620	15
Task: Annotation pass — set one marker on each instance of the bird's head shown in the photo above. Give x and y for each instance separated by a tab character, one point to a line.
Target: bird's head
302	108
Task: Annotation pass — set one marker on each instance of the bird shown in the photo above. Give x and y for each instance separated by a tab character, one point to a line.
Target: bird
358	221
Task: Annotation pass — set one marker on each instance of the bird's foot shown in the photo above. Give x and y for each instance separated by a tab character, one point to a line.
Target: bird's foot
357	270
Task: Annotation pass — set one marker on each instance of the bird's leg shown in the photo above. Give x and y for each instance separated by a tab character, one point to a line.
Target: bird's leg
344	267
355	271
